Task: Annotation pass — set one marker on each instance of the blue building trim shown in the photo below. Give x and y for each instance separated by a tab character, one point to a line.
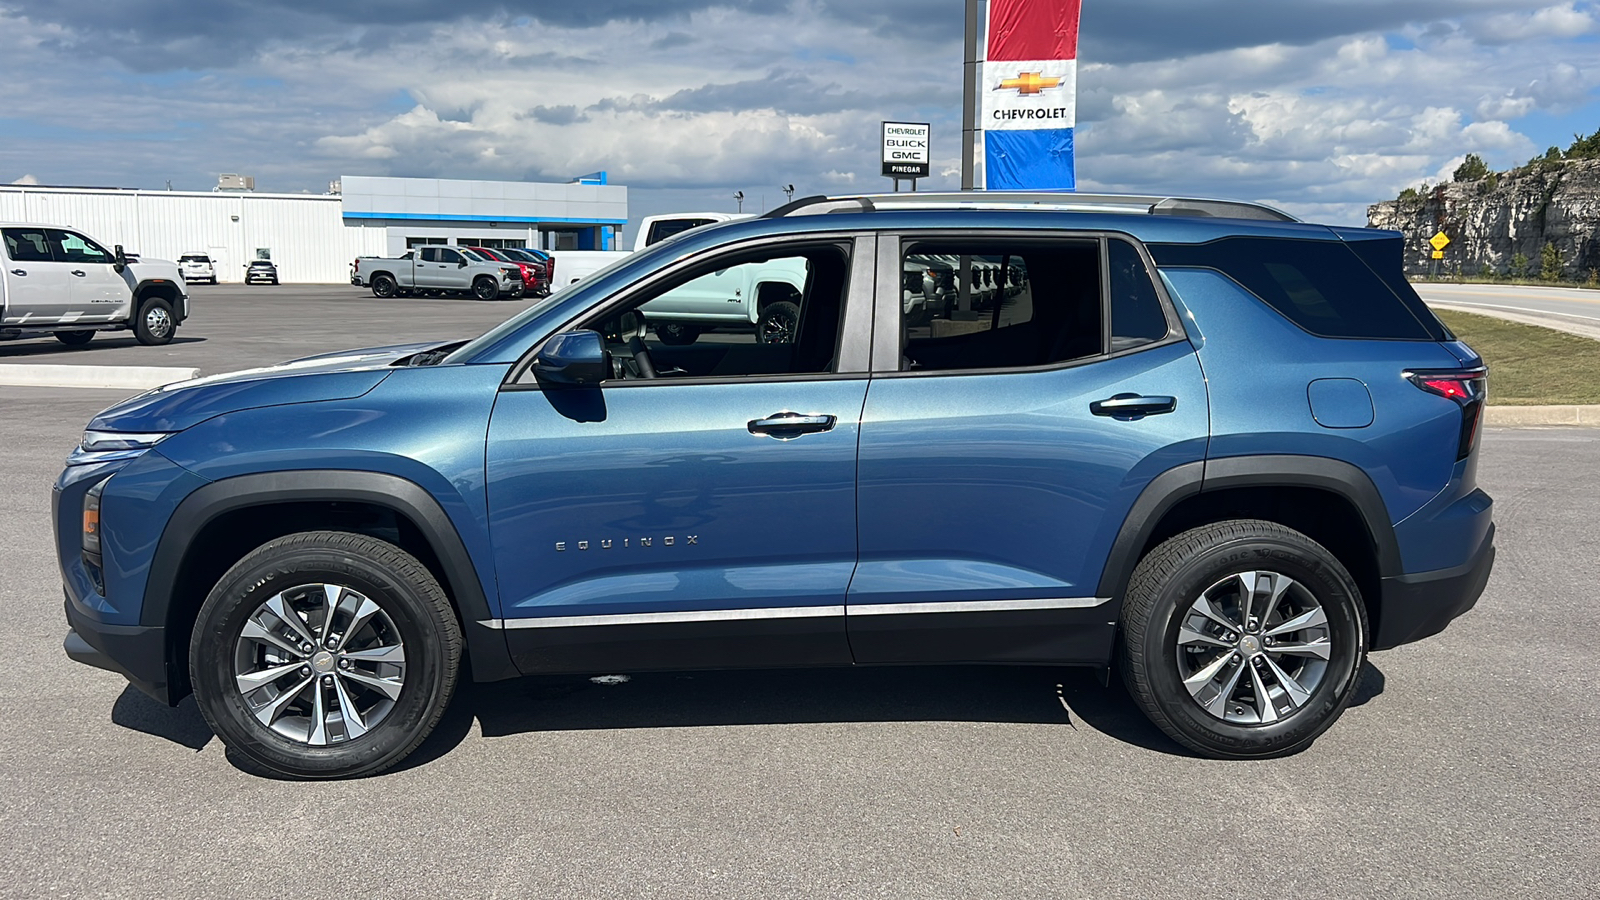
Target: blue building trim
440	217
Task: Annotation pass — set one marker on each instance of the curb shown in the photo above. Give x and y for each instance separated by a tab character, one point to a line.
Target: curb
1523	416
125	377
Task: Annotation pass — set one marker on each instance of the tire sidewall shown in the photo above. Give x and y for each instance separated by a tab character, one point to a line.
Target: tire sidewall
1332	587
384	287
141	324
250	584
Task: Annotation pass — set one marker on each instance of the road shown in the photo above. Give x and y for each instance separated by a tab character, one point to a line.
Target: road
1466	768
1569	309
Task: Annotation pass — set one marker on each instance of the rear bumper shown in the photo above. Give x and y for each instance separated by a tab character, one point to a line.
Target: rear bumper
1413	607
136	652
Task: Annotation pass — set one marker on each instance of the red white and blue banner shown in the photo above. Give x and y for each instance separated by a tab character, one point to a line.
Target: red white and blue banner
1029	95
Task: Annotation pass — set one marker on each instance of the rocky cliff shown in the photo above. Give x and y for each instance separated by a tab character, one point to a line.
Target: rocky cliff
1493	220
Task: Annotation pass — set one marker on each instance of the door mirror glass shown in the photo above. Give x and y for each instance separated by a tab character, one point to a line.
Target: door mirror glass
119	259
574	357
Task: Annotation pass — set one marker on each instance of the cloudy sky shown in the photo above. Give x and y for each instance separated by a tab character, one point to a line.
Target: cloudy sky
1319	106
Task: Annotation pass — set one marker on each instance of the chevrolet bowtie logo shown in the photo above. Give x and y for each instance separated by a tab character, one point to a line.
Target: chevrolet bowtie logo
1029	83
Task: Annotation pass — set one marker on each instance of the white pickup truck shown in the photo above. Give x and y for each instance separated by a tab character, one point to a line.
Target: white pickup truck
57	281
437	269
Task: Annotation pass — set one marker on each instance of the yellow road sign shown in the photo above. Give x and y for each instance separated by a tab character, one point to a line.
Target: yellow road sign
1439	242
1438	254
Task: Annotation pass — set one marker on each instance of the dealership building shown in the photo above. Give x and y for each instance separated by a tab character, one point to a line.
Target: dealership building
312	238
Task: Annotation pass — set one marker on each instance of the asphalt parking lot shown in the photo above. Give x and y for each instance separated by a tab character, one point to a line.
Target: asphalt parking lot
1467	768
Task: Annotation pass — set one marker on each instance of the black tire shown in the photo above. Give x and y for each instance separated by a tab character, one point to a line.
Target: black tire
154	324
485	288
384	286
407	594
779	323
677	334
1158	604
74	338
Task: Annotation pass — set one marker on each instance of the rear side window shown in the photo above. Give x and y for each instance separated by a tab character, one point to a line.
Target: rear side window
661	229
1386	258
1136	314
1322	286
27	245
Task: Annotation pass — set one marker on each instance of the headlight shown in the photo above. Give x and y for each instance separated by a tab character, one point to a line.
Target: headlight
105	446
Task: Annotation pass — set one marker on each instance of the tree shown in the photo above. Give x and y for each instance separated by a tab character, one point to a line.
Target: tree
1472	169
1585	147
1519	266
1550	263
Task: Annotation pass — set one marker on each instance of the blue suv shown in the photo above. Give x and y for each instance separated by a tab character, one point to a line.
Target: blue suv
1224	451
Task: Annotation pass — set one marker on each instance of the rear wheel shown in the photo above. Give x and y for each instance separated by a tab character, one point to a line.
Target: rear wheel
1243	639
154	323
384	286
485	288
325	655
74	338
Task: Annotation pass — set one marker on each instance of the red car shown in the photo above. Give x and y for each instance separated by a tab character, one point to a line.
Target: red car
535	280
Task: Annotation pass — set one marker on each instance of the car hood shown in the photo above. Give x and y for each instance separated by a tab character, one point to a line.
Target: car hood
330	376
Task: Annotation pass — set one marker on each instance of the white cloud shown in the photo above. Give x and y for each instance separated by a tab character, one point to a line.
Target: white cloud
26	179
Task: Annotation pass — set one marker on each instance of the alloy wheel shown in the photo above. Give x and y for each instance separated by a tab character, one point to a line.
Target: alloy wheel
319	664
158	322
1253	648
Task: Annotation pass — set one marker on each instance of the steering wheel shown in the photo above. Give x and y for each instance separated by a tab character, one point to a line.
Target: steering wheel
631	330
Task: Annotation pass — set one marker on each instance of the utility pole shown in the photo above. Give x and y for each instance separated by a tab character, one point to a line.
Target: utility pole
969	98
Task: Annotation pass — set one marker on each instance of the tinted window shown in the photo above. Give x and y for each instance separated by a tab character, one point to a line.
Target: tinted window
27	245
449	256
429	254
1322	286
190	257
700	325
662	229
1386	258
76	248
1136	314
999	305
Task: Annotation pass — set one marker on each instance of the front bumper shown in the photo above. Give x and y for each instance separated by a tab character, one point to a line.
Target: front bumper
136	652
1418	606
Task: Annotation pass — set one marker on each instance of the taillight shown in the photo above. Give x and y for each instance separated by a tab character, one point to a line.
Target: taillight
1469	388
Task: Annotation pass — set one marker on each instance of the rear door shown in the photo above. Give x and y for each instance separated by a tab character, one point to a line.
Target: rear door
99	292
1001	449
37	286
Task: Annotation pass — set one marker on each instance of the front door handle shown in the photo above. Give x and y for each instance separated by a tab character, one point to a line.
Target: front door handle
78	272
1133	406
19	271
787	426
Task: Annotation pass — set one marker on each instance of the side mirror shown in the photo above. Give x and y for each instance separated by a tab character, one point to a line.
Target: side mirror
462	264
119	260
574	357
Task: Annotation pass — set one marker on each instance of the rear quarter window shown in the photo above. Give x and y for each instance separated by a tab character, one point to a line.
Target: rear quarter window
1322	286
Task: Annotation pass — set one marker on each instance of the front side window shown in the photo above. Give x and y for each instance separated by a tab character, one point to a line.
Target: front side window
27	245
449	256
76	248
995	304
748	315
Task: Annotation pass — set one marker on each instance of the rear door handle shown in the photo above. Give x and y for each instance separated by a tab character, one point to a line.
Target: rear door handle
78	272
19	271
787	426
1133	406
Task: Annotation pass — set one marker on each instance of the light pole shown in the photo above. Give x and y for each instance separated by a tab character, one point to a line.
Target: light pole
788	193
738	196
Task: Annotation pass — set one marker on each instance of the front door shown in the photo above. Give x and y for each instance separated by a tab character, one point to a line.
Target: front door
698	509
1002	448
37	286
99	292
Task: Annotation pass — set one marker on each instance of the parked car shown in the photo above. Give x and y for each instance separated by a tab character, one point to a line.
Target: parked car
59	281
261	270
1220	451
196	267
534	282
540	258
440	269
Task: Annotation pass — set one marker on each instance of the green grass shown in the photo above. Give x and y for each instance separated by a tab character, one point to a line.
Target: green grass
1529	365
1517	282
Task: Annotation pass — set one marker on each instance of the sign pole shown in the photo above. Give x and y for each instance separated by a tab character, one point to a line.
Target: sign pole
969	100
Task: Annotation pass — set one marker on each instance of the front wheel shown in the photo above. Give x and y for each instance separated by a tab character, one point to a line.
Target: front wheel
154	325
325	655
779	323
486	289
74	338
1243	639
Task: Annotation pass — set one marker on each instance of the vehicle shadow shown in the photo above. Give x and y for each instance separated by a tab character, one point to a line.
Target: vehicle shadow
54	348
1034	695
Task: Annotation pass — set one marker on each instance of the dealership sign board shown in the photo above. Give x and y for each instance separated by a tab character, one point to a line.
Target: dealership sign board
905	149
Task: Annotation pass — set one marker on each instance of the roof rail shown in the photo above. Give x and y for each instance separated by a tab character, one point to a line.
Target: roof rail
1128	204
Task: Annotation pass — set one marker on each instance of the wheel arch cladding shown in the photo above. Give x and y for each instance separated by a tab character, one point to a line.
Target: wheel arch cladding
221	522
1333	502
